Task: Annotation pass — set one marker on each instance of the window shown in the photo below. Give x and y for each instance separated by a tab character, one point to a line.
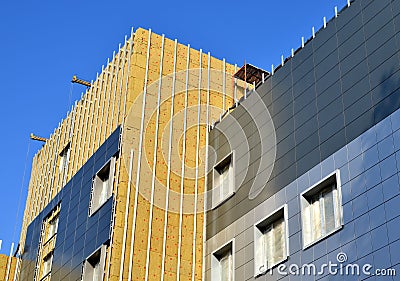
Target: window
47	261
321	209
222	263
102	185
270	241
93	269
47	244
63	165
52	228
64	158
223	181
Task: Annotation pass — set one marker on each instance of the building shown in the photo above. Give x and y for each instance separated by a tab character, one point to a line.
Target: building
137	125
7	267
332	193
301	167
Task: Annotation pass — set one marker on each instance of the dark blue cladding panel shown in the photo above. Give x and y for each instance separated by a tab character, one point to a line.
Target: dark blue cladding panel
78	234
343	82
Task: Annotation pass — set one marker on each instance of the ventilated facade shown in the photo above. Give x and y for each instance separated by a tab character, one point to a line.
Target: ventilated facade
334	106
122	213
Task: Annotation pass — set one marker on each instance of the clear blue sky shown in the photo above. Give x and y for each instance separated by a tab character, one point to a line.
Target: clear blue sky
43	43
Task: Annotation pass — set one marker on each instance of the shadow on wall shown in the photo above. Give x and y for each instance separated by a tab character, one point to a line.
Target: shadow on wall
386	96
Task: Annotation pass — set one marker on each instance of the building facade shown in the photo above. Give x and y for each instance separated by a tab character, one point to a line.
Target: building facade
332	194
170	167
115	192
7	267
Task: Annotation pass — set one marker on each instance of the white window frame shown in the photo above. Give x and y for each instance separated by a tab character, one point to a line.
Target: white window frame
216	260
98	186
261	265
88	268
219	195
314	191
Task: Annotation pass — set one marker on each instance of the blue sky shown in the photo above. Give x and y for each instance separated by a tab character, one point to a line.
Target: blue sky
44	43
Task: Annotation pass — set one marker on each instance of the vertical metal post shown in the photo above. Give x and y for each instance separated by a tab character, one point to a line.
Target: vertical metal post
206	170
139	158
245	79
197	169
33	186
324	22
100	79
36	185
73	140
66	141
49	154
128	195
109	97
86	137
68	134
90	116
104	101
153	178
79	134
169	164
127	72
43	177
119	109
94	123
9	262
223	84
178	270
115	89
50	147
17	266
235	87
55	160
